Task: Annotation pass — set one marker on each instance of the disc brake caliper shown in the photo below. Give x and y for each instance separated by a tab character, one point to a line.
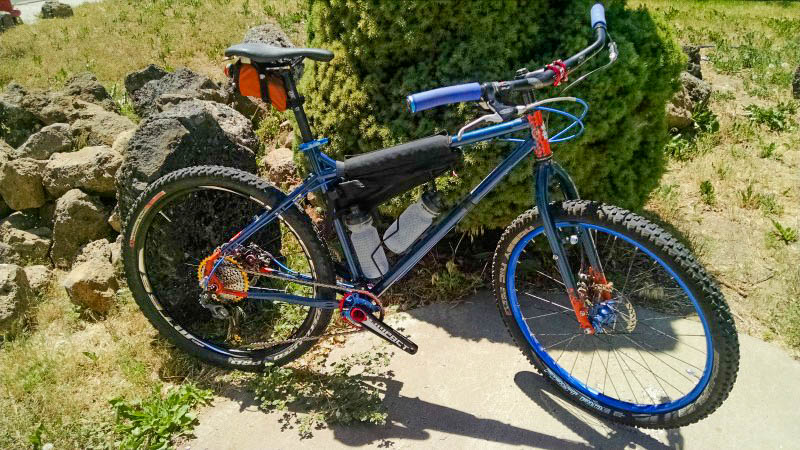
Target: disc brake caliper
223	276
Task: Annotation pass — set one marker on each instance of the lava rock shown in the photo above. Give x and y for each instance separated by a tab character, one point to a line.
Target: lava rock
173	88
91	169
16	122
21	183
15	294
84	86
92	285
39	278
698	90
79	219
54	9
121	142
136	80
96	125
50	139
23	241
693	66
195	132
280	165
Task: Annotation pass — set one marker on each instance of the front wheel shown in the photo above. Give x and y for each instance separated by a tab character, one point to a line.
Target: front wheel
665	352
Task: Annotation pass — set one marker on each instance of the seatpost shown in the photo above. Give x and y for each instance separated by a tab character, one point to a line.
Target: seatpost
296	103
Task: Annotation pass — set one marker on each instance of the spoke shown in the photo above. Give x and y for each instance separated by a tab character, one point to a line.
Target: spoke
545	300
565	348
548	276
673	338
651	371
654	374
670	355
545	315
570	339
623	371
686	317
627	277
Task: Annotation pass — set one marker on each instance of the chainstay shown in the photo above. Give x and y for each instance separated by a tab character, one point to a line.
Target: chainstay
267	345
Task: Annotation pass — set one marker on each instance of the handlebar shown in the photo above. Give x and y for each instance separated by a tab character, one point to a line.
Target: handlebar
533	80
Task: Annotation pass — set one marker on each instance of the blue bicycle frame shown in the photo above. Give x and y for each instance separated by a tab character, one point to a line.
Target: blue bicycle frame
323	174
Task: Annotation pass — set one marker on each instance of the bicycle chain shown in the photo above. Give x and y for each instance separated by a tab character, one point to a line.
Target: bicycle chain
266	345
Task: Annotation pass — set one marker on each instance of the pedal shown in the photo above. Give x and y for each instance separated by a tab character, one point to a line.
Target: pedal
379	328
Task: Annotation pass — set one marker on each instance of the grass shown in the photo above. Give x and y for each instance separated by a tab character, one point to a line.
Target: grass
115	37
748	166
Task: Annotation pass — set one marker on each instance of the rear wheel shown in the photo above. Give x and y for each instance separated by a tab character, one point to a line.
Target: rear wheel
177	222
665	353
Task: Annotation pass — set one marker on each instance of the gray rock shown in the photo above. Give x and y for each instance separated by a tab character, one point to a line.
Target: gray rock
192	133
16	122
98	126
84	86
79	219
50	139
7	21
114	220
698	90
183	84
679	110
15	294
21	183
53	9
23	241
97	251
92	285
39	278
135	80
121	142
91	169
796	83
693	66
280	165
272	34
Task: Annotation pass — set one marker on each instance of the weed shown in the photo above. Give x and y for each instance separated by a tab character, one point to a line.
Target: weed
748	198
769	205
785	234
767	151
154	421
705	121
707	193
343	394
777	118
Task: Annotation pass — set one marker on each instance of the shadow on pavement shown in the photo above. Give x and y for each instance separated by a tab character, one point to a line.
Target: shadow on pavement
597	432
412	419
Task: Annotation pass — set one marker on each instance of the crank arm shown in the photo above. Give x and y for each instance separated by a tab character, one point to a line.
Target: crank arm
378	327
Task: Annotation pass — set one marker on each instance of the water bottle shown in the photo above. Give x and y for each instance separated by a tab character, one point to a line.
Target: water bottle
367	245
412	223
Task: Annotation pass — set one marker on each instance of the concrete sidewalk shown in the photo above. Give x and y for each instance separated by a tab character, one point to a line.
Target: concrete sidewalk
469	387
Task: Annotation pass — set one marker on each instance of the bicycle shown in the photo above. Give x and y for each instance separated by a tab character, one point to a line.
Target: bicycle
574	280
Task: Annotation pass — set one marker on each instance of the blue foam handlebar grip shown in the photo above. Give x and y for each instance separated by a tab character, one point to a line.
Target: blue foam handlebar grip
421	101
598	15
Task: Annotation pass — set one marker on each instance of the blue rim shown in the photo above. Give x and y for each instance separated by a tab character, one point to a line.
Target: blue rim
577	384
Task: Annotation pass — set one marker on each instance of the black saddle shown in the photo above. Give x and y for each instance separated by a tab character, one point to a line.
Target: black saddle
264	53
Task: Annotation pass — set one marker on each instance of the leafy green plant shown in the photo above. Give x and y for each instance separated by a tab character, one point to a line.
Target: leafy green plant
387	50
705	121
153	422
777	118
707	193
768	150
343	393
785	234
769	205
748	198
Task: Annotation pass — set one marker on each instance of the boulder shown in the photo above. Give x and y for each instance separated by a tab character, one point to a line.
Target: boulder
84	86
50	139
796	83
173	88
679	110
21	183
99	250
23	241
693	66
39	278
192	133
698	90
53	9
96	125
15	294
16	122
91	169
136	80
46	214
92	285
79	219
4	209
280	165
121	142
6	21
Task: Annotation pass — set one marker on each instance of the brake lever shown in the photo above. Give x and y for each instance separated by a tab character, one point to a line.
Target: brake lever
494	118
